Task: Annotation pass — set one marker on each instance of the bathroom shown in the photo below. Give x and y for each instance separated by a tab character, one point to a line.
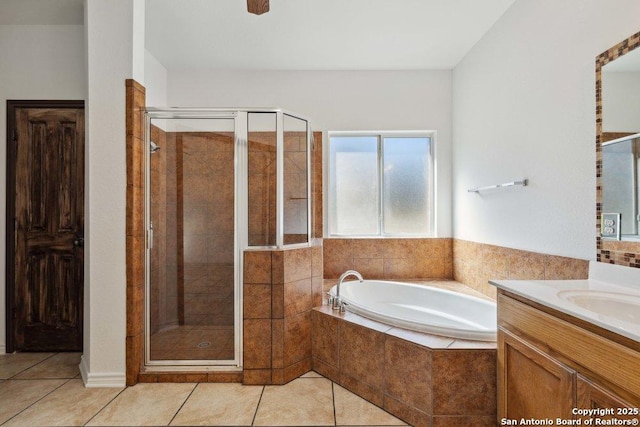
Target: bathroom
515	103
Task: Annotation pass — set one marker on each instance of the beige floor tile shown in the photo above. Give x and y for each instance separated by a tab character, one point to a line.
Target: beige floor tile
353	410
61	365
219	405
143	405
14	363
302	402
16	395
70	405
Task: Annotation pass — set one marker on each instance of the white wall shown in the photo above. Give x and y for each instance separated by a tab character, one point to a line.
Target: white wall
524	107
155	81
114	54
39	62
336	101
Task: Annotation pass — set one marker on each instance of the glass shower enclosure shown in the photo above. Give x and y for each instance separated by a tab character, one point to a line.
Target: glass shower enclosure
217	182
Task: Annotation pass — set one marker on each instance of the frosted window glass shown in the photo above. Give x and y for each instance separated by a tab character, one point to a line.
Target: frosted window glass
354	185
406	195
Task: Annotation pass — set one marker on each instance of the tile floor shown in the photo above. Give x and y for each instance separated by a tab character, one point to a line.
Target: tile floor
45	389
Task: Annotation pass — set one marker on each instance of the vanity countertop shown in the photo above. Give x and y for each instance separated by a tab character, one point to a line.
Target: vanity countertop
609	298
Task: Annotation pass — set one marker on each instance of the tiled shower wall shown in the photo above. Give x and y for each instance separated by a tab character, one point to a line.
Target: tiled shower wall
192	258
295	187
204	182
262	188
160	295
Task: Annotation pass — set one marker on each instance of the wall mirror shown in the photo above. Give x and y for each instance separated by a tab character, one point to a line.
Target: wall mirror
618	153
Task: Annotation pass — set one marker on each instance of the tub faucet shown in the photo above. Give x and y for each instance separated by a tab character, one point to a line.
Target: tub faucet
338	304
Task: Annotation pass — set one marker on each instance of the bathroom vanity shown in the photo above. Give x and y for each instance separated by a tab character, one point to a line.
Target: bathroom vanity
568	346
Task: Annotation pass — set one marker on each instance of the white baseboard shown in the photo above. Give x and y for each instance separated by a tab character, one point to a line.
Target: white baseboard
3	348
102	379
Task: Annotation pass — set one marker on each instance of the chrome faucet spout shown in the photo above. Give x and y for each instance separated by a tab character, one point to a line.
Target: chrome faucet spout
337	301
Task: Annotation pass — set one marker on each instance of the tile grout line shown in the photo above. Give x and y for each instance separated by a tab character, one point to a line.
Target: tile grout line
32	366
106	404
181	406
255	413
333	399
47	394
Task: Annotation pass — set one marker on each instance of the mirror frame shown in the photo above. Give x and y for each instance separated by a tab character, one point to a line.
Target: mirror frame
620	252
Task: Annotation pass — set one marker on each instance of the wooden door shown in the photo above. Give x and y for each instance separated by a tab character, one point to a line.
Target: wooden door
47	163
530	383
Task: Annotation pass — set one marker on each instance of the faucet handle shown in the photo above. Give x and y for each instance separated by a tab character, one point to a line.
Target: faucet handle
342	306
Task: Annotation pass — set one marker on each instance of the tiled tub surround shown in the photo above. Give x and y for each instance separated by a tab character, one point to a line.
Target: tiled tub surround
281	287
389	258
474	264
426	380
471	263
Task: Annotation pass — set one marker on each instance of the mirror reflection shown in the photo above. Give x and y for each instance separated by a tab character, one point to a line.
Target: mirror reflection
620	139
620	186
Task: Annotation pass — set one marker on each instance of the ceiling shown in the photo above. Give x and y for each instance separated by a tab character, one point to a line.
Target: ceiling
295	34
318	34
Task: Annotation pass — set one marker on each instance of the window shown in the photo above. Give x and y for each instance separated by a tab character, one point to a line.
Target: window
380	184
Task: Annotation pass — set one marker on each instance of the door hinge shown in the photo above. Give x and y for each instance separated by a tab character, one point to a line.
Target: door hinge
14	135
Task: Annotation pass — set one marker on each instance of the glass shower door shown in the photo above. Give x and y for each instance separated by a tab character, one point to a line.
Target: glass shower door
192	282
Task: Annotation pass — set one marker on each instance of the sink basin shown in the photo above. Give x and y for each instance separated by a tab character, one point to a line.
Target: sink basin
619	306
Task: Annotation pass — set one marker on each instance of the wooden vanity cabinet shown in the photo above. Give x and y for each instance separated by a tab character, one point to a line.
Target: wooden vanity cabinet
591	396
532	384
548	365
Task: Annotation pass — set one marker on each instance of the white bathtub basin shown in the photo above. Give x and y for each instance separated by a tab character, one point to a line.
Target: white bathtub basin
422	308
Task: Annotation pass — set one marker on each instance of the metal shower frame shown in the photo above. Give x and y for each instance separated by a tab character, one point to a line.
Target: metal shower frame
241	222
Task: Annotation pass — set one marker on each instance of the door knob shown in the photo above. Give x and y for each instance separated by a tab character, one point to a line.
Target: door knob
78	241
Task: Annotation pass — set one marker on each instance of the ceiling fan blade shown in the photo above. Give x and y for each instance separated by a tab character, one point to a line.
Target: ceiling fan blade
258	7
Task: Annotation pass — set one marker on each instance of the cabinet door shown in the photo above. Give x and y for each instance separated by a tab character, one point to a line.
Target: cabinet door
592	396
530	383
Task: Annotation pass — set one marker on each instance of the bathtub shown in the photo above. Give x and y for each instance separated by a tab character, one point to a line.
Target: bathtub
421	308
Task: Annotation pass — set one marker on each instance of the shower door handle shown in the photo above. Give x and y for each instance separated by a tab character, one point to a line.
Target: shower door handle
150	236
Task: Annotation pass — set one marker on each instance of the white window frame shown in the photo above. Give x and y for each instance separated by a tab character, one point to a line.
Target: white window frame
380	135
